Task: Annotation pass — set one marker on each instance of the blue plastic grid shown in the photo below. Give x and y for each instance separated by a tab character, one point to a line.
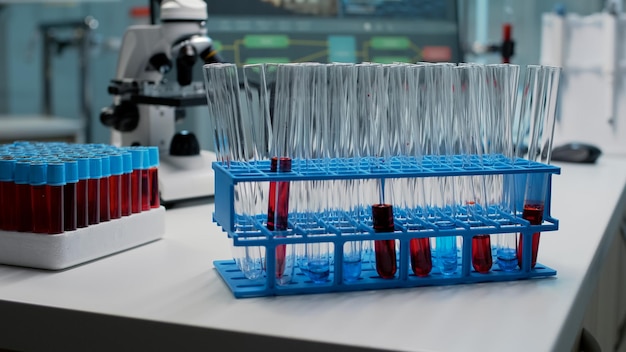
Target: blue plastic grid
342	228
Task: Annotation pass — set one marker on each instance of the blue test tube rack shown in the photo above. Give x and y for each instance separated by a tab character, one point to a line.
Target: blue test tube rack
228	174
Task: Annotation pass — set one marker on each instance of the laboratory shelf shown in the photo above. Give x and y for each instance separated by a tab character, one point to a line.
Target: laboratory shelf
341	227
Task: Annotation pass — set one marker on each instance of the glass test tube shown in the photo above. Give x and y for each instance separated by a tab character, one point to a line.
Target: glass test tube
136	184
419	248
23	198
115	185
70	195
126	181
82	193
7	194
539	100
105	197
154	177
93	190
39	201
146	184
55	194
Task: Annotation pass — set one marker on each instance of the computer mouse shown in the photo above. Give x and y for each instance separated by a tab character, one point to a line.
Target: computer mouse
574	152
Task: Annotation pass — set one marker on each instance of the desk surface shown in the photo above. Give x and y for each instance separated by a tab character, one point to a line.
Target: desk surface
172	284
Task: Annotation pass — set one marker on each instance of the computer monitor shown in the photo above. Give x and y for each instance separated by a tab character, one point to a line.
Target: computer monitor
383	31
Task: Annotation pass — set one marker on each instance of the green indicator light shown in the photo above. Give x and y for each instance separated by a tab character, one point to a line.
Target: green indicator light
267	60
390	59
266	41
394	43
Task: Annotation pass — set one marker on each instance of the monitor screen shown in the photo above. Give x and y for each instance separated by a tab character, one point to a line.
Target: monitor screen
383	31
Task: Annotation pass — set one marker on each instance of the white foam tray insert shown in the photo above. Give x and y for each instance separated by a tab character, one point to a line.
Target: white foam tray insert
56	252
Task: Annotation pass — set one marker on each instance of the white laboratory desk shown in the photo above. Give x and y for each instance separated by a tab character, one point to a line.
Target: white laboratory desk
167	296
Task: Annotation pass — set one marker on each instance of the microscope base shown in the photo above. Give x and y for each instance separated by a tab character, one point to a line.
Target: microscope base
186	177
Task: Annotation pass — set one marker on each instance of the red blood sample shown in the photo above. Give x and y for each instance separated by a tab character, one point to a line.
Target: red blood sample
23	200
136	191
115	200
69	199
481	253
533	212
105	196
82	194
82	201
55	196
40	208
278	209
154	177
136	185
154	187
7	194
145	190
93	200
126	180
126	194
421	259
385	250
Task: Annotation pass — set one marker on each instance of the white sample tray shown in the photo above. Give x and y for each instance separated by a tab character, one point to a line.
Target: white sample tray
56	252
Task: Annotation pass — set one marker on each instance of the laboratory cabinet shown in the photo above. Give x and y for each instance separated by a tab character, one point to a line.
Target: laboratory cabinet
605	317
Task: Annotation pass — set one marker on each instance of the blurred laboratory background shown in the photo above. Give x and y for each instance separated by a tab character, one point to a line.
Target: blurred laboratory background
57	57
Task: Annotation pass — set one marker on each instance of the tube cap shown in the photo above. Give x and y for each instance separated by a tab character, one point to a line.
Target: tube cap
83	168
22	172
146	159
71	171
154	156
117	164
137	158
95	167
7	168
127	163
38	172
56	174
106	165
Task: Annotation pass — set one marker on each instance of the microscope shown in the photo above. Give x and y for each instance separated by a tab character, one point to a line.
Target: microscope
147	105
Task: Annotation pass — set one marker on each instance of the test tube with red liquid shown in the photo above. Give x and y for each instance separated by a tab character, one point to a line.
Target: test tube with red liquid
82	192
93	190
23	199
115	185
136	180
153	173
539	102
71	181
126	180
7	194
146	186
39	198
105	200
385	250
55	194
421	257
278	210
